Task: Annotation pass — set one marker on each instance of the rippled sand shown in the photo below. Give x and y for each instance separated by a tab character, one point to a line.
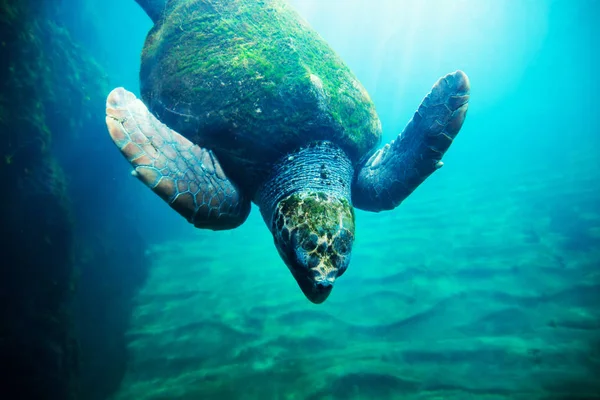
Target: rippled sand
470	290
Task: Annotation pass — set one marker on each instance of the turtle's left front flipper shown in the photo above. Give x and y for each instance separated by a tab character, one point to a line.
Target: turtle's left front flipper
186	176
394	171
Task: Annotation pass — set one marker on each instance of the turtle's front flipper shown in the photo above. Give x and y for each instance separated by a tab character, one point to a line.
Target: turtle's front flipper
186	176
394	171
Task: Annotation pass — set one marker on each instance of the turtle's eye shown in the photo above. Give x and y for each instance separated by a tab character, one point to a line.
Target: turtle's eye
342	244
310	243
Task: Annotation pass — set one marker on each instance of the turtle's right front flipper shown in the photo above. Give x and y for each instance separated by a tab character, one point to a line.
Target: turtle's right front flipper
186	176
397	169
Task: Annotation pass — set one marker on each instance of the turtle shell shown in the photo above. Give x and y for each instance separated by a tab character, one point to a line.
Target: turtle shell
251	80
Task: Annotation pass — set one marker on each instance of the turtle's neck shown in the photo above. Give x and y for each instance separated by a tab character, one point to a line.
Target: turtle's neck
318	167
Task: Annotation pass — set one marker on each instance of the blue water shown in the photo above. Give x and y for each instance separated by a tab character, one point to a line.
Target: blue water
483	284
531	66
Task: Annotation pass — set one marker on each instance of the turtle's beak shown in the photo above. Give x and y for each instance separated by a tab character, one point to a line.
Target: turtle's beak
315	288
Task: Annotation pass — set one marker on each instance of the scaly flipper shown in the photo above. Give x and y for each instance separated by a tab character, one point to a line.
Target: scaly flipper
186	176
395	170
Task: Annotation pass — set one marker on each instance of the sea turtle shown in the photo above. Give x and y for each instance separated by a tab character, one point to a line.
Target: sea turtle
244	102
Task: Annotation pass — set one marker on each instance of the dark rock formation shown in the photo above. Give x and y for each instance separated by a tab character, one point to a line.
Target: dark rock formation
66	279
37	348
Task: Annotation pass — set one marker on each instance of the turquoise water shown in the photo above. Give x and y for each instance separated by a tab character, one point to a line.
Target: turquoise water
483	284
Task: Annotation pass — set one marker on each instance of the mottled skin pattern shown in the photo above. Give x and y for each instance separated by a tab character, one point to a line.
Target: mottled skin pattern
314	231
307	187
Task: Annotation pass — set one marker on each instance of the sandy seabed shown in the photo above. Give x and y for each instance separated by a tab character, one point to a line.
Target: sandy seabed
471	289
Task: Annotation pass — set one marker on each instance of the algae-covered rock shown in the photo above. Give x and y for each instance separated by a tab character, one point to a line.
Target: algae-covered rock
43	101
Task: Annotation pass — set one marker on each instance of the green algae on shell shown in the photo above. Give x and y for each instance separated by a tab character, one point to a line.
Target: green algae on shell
251	80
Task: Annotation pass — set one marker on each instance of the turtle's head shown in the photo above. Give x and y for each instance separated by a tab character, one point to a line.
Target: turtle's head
306	205
314	233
